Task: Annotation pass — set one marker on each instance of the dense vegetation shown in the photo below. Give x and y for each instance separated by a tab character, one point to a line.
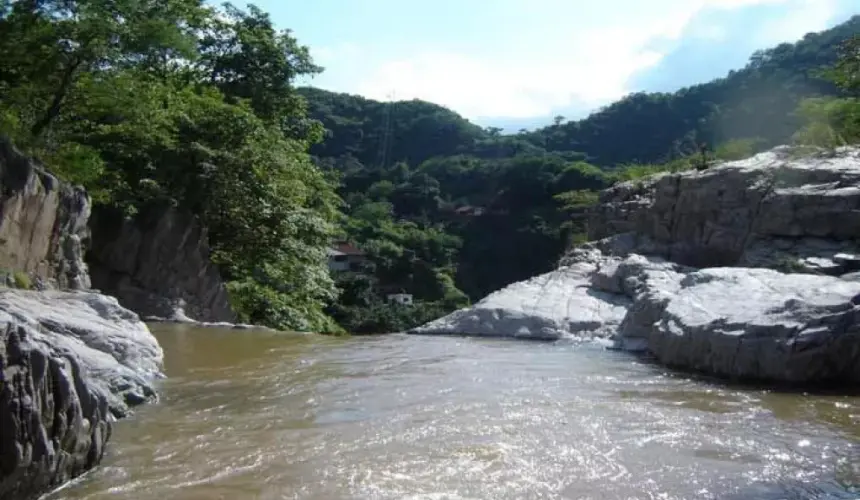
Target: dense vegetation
416	175
176	103
170	102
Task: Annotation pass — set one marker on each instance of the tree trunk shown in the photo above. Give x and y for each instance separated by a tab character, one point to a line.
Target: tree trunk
57	103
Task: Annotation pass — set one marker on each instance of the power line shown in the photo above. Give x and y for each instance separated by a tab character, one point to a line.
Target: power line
386	144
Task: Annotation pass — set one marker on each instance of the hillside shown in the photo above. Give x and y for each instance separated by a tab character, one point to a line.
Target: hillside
756	101
444	207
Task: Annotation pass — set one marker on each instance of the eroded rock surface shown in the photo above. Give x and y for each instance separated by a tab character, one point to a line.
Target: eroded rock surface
158	265
71	363
776	209
43	223
545	307
748	323
747	271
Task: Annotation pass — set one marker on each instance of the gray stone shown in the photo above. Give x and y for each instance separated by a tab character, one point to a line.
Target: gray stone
743	323
770	210
71	363
546	307
158	265
43	222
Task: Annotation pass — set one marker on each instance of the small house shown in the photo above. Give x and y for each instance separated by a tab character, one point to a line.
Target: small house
344	257
404	299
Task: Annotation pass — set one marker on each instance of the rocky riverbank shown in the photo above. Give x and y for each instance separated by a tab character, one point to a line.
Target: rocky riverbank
72	363
746	271
75	360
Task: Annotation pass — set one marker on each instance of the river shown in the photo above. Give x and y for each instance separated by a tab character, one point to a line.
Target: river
251	415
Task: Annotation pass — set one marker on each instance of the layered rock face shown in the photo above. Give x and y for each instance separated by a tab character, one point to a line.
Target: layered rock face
158	265
776	209
689	277
43	223
71	363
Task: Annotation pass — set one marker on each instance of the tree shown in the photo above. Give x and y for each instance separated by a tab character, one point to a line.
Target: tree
494	131
846	72
47	46
154	103
247	58
835	121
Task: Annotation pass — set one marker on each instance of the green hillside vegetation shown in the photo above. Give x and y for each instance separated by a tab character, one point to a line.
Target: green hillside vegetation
169	102
531	188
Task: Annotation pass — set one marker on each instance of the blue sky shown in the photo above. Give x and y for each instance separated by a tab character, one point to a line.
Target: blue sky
517	63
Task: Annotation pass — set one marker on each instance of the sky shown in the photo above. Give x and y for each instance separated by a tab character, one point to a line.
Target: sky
518	63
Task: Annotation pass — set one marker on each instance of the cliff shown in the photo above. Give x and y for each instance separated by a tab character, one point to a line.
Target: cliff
747	270
73	361
775	209
43	223
158	265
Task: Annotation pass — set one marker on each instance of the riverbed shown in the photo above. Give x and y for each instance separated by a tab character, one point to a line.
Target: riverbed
255	415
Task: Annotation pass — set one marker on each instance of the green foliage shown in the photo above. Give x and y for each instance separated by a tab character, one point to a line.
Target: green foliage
640	171
756	101
738	149
574	201
377	133
80	165
830	122
846	72
362	309
835	121
15	279
175	103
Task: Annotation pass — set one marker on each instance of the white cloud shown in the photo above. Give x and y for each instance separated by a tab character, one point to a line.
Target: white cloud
810	15
589	65
712	32
339	53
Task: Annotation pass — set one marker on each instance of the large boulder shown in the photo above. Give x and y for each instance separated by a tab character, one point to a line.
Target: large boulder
546	307
71	363
743	323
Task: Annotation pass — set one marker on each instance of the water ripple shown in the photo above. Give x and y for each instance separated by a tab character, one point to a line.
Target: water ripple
296	417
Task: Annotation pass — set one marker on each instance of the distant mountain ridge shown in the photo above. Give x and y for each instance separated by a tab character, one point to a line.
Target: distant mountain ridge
756	101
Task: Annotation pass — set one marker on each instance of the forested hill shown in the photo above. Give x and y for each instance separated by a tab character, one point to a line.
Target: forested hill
757	101
445	208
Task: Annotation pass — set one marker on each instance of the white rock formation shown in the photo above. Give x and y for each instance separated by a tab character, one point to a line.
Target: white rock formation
545	307
71	363
799	323
744	323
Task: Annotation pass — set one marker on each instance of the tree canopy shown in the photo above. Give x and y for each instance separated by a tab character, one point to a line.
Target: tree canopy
177	103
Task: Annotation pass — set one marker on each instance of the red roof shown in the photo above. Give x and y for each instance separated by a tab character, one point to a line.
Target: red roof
347	249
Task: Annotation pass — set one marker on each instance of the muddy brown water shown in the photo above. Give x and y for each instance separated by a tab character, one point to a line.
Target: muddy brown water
251	415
